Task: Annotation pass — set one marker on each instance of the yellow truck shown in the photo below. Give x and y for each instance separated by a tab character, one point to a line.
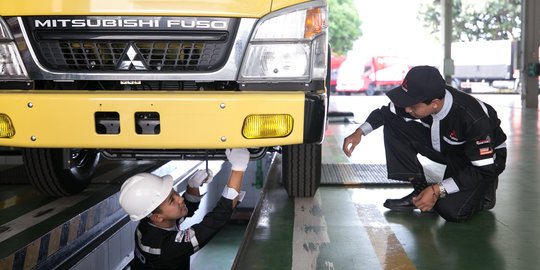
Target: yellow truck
142	79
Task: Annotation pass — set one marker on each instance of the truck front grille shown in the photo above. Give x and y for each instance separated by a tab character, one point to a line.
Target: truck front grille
88	55
131	44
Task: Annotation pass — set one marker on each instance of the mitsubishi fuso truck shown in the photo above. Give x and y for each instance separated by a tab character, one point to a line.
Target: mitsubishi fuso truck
89	80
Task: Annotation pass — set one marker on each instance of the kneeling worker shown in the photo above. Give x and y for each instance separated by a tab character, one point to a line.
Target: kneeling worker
159	241
428	117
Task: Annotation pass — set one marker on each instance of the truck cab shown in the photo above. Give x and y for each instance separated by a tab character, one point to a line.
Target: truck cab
382	73
377	75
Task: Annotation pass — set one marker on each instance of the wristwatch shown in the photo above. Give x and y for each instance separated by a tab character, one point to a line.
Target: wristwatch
442	191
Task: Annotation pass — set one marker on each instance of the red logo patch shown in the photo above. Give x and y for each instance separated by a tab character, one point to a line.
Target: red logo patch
453	135
404	86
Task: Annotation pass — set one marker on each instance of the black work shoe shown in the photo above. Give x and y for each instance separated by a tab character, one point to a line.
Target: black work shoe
404	204
490	196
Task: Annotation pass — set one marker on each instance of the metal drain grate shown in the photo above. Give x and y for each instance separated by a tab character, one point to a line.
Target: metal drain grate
366	174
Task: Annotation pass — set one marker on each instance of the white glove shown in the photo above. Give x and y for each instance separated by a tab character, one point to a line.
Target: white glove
200	177
238	157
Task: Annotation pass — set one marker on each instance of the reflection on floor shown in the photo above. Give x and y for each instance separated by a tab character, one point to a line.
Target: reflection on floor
219	254
346	227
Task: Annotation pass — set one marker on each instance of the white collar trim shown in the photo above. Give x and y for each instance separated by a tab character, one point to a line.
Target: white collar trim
448	100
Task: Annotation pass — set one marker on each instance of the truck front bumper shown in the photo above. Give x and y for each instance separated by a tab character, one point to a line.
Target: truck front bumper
187	120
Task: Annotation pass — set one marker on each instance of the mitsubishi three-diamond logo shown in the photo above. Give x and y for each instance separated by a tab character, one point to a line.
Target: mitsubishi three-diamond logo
131	59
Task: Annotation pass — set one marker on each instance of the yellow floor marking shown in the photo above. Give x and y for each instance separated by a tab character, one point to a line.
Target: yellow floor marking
11	201
385	243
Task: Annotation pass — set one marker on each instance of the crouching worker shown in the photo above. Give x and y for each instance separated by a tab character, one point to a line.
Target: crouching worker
450	127
159	241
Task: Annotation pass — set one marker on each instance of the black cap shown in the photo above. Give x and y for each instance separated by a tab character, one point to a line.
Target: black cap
422	83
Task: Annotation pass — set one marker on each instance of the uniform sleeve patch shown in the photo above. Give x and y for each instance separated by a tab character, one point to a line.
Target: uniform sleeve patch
486	151
187	236
483	141
183	236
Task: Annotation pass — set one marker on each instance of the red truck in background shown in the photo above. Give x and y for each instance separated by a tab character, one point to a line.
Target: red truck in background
335	64
379	75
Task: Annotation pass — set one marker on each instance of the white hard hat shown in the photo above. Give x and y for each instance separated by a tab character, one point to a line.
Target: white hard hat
143	193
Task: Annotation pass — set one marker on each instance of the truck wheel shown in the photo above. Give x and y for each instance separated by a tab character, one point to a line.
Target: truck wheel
302	169
48	174
370	91
456	83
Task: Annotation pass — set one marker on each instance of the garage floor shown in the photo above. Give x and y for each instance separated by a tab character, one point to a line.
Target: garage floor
346	227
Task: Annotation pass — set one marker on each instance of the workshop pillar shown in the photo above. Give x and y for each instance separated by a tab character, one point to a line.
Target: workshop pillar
448	62
530	40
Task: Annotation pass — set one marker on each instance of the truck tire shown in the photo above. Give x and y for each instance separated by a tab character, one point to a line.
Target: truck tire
370	91
328	78
47	173
301	173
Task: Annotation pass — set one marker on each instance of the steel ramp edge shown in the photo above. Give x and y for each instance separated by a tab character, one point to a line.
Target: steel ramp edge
59	240
270	226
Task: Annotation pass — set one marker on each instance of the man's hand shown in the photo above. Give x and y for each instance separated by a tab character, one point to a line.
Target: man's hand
426	199
238	157
200	177
352	141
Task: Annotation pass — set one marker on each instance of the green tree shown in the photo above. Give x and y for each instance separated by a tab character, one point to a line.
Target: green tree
476	20
344	25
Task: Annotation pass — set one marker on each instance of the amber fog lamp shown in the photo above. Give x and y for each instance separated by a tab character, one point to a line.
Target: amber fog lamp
258	126
6	127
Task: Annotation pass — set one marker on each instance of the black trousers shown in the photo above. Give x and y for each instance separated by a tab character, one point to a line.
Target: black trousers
404	141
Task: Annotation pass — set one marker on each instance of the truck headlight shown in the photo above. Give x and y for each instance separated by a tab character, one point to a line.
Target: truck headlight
288	45
11	65
277	61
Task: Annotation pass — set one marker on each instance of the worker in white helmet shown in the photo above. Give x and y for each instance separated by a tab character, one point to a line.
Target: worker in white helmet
150	199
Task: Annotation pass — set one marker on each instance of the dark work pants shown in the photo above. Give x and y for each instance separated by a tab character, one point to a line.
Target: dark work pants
403	141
